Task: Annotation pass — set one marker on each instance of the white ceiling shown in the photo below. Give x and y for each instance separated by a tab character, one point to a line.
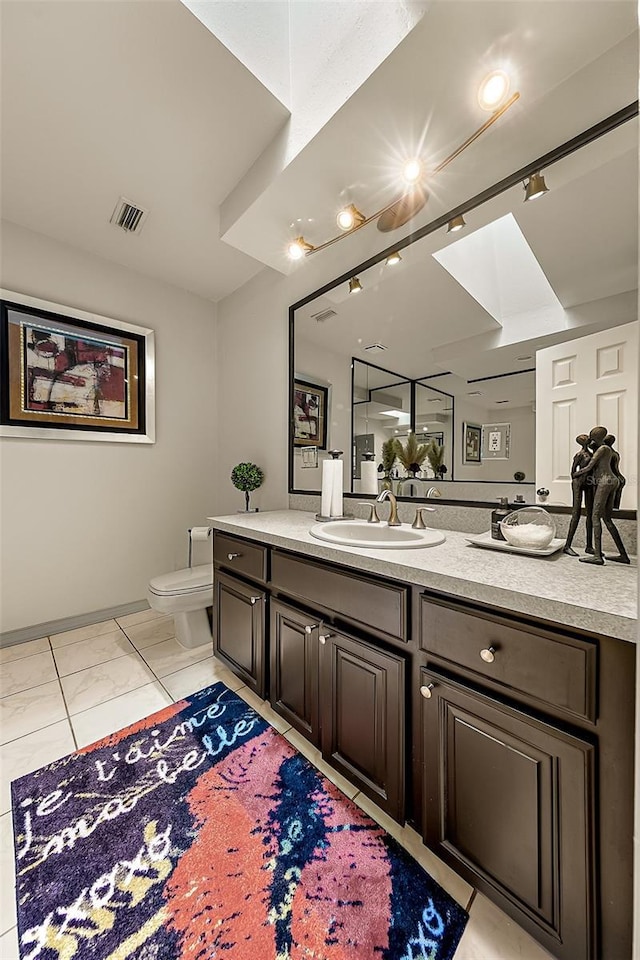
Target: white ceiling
102	99
140	99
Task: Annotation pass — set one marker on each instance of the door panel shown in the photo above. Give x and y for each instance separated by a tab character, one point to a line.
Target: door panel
362	695
294	668
240	629
509	804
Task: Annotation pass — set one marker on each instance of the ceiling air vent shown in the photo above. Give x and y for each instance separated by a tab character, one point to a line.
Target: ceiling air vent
128	216
376	347
323	315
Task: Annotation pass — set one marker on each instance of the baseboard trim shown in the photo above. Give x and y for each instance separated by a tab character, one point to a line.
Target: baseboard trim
10	637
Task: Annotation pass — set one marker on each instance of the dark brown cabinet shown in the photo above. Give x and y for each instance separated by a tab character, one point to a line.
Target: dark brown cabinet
294	668
239	636
509	803
362	725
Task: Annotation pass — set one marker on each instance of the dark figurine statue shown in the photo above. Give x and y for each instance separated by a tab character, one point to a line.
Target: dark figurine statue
578	487
603	475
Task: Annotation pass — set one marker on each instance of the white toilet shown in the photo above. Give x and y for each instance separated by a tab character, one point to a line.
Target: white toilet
185	595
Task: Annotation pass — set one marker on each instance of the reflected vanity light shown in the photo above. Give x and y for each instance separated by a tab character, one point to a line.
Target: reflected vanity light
393	258
535	187
354	285
456	223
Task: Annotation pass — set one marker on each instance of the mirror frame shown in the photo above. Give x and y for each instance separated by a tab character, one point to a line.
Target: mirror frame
547	160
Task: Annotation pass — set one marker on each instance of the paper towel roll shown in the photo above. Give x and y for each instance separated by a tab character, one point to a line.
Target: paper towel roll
200	533
336	489
327	488
368	477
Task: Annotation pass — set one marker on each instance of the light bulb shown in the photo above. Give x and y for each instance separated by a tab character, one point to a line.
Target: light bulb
412	170
298	248
393	258
493	90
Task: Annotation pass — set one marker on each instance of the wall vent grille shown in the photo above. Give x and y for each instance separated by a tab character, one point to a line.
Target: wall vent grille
323	315
129	216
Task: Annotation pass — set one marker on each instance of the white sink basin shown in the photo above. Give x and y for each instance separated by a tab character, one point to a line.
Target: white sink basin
359	533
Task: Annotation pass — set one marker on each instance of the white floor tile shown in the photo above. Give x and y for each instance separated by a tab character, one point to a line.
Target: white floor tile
263	707
142	616
169	657
30	753
190	679
87	653
144	635
105	681
491	935
30	710
8	916
28	672
83	633
9	945
106	718
21	650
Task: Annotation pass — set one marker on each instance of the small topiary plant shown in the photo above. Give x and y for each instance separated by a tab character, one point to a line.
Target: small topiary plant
247	477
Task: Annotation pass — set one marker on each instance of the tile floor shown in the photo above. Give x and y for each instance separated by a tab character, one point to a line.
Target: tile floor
63	692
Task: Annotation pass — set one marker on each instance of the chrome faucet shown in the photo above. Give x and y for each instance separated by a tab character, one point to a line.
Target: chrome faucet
393	507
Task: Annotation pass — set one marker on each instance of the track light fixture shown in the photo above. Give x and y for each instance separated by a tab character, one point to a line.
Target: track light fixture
350	217
491	96
535	187
354	285
299	248
456	223
393	258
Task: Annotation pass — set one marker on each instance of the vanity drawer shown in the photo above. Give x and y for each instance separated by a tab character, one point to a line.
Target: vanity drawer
379	607
247	559
553	669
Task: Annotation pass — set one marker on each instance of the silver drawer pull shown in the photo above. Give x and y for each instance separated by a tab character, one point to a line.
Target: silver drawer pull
232	556
488	654
311	627
324	637
254	600
426	691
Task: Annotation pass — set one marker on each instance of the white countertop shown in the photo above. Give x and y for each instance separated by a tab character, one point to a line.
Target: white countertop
556	588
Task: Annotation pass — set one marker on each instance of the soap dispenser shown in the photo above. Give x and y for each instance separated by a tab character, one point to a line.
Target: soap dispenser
496	516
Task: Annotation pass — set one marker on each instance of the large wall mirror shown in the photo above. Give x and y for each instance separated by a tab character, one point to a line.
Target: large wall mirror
447	342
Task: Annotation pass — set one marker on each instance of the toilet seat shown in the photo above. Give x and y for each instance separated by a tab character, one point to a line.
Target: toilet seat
183	582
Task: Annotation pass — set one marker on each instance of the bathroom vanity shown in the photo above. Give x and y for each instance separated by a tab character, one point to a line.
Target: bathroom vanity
488	700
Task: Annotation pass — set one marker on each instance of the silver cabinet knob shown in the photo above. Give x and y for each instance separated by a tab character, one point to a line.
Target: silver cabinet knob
425	691
488	654
232	556
324	637
255	600
311	627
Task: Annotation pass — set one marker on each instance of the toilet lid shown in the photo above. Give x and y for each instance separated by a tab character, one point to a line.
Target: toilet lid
189	580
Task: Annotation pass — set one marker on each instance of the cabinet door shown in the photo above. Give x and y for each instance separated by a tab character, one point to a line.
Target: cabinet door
508	802
362	717
239	614
294	668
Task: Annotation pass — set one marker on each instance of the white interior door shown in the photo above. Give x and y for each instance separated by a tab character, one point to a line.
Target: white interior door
582	384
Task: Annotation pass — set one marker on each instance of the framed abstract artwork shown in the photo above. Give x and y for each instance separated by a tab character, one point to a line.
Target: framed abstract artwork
73	375
310	402
471	443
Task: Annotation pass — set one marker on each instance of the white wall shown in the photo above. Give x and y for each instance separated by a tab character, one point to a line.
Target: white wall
86	524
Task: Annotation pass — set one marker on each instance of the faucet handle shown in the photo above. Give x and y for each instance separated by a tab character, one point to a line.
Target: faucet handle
373	515
418	523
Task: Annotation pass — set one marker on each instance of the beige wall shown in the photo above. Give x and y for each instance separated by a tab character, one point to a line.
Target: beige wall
86	524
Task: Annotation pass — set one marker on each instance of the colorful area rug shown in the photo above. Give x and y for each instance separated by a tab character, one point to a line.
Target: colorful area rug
201	833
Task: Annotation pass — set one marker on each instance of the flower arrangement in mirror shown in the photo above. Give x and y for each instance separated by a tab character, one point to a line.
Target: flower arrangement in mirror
412	454
247	477
435	456
389	456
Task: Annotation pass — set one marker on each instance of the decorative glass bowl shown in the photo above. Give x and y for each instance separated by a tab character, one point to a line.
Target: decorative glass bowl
530	527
